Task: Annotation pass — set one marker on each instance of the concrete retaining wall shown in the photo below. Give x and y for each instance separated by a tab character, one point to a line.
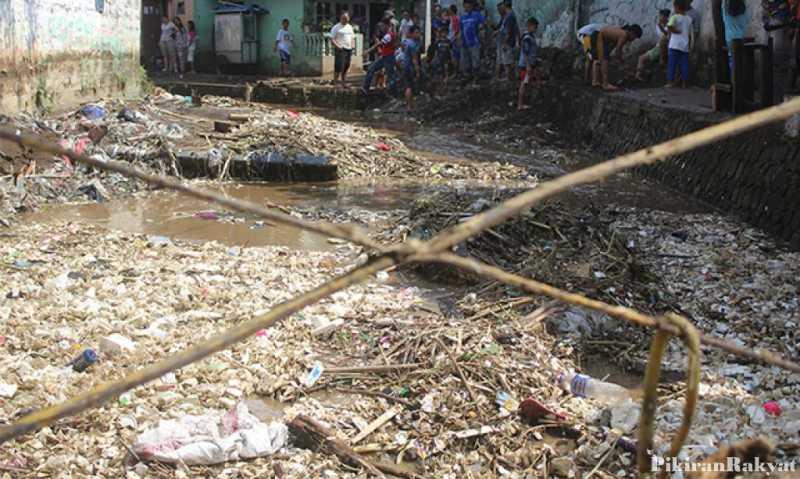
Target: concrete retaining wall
755	176
57	53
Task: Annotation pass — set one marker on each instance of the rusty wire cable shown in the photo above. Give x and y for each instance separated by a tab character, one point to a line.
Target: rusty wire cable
440	243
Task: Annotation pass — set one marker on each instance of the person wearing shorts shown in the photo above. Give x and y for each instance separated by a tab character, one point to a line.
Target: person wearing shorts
657	54
585	40
412	68
528	61
343	40
283	45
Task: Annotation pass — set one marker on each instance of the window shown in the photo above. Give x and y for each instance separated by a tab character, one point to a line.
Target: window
341	8
181	10
323	12
249	28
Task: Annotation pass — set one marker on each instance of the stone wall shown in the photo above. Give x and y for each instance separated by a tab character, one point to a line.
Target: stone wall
755	176
55	54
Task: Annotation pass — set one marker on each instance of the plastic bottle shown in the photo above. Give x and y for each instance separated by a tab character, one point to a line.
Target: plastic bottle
314	375
82	362
586	386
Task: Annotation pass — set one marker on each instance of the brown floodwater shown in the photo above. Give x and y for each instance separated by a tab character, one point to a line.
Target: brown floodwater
182	217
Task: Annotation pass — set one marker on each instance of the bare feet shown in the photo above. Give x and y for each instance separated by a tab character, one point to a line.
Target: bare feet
670	85
610	87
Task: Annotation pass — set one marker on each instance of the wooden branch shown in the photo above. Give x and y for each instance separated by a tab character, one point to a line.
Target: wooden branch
310	434
619	312
373	369
376	424
458	369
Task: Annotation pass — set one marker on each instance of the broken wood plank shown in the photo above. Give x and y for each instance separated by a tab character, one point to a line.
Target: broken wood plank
376	424
328	329
310	434
240	117
373	369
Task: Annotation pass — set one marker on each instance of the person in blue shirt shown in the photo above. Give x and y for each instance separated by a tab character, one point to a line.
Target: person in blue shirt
437	20
507	37
528	60
471	22
735	18
412	68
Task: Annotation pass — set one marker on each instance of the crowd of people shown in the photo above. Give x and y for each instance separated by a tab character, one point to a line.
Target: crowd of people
177	44
456	52
463	40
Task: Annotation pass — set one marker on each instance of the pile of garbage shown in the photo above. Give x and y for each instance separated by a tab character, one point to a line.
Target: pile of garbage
400	378
731	281
359	151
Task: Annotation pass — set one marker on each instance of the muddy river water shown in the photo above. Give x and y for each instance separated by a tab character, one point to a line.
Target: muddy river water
176	216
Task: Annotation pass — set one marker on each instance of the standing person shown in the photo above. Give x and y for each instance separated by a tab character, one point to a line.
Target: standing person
181	46
167	30
507	36
283	45
455	37
386	61
343	38
471	22
412	68
192	46
680	27
438	20
734	16
440	59
659	52
405	25
528	61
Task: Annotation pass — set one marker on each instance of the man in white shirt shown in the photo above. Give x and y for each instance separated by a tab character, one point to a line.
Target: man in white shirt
343	38
283	45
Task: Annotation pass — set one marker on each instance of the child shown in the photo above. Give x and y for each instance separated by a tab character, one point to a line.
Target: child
192	46
441	58
680	28
658	52
411	65
528	59
454	35
283	45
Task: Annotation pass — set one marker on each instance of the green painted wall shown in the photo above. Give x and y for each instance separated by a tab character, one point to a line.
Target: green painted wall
268	27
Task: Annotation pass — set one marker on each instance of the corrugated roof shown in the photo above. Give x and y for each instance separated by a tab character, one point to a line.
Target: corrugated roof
240	8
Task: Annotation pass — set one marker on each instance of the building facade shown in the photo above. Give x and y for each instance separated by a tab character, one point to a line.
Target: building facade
58	53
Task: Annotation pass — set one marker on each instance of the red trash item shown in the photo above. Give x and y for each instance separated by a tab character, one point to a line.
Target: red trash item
773	408
383	147
261	334
532	412
293	113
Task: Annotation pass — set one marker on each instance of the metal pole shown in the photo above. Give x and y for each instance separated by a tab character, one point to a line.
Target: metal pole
428	20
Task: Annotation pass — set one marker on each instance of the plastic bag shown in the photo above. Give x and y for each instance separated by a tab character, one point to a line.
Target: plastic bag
211	438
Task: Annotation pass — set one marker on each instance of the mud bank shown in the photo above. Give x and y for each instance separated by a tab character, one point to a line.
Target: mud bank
753	176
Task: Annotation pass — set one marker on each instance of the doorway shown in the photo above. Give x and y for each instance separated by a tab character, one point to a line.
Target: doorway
152	11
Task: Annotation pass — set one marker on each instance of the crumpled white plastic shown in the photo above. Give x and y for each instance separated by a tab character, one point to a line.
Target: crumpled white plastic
212	438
